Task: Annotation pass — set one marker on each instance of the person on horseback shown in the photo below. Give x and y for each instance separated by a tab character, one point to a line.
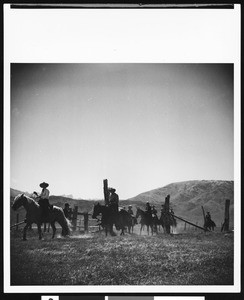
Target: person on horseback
162	209
208	217
154	211
67	211
113	200
148	208
44	200
209	223
130	211
114	206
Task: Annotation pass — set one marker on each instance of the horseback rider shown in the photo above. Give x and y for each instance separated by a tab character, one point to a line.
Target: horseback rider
162	209
44	200
113	200
208	217
148	209
154	211
130	211
114	206
67	211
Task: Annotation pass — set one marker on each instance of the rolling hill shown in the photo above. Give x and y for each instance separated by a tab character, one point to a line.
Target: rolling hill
186	198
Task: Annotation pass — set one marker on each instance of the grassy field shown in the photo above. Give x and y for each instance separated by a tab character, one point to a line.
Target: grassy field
187	258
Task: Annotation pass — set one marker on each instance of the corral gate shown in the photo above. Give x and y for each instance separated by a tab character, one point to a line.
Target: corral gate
85	222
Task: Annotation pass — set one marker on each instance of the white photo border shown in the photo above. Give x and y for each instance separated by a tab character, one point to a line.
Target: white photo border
155	39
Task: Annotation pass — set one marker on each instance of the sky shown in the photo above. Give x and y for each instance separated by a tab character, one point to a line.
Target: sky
141	126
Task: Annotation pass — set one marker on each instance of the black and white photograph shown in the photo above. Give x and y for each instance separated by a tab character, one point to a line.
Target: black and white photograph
122	172
161	135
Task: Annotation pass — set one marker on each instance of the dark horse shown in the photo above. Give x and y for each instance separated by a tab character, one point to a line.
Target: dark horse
34	213
209	224
168	222
121	220
146	219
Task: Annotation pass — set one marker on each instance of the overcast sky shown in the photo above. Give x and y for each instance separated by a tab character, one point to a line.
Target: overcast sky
141	126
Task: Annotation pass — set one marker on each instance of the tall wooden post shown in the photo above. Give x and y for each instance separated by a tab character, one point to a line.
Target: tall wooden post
225	226
105	191
86	222
204	216
167	214
74	218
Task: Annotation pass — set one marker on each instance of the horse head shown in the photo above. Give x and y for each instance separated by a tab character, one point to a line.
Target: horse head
19	200
96	210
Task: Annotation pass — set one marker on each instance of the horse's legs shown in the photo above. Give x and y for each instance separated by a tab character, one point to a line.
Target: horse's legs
24	231
129	228
140	229
48	227
45	227
53	228
39	231
112	233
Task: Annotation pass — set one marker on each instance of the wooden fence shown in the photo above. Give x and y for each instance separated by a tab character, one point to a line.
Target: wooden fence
84	223
80	221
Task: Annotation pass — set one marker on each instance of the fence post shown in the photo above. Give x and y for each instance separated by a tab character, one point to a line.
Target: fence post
74	218
225	226
105	191
204	216
17	221
166	207
86	222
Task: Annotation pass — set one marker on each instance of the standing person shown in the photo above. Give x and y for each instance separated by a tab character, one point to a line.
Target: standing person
44	199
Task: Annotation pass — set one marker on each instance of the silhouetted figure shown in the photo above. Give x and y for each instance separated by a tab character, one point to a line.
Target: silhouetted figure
67	211
44	200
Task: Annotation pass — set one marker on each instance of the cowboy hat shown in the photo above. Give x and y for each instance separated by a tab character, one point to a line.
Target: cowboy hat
44	185
112	189
66	204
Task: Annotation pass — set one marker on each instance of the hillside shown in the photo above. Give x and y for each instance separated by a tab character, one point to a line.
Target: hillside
187	197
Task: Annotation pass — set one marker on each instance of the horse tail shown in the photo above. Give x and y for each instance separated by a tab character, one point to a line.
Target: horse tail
64	223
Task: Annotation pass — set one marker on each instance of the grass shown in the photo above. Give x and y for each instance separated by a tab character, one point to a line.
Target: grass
190	258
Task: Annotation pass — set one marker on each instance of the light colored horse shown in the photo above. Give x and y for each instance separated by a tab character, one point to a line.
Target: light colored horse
34	215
